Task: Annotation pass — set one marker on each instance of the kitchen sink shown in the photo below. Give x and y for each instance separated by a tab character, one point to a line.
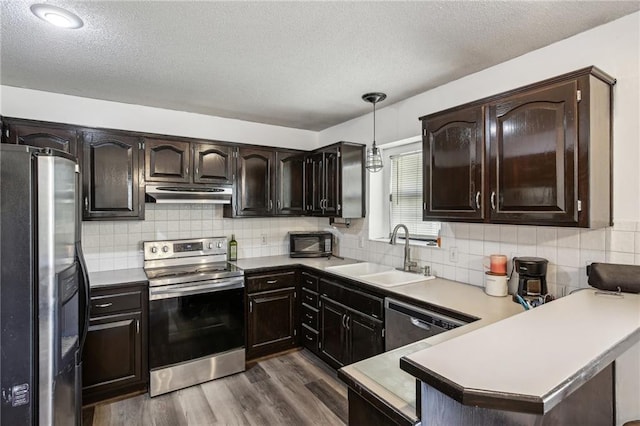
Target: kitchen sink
359	269
380	275
394	278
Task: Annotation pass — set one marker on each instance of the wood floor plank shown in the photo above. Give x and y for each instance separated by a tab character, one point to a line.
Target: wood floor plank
328	396
313	410
295	389
194	406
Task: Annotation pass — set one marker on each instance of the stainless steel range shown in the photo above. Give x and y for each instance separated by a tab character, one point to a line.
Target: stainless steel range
196	313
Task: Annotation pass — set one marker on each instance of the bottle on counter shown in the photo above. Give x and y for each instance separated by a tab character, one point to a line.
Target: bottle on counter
233	248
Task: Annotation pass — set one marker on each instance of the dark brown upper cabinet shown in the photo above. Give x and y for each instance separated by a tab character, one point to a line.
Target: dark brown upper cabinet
336	181
290	178
177	161
212	163
253	195
167	161
453	153
268	182
533	156
40	134
546	156
112	166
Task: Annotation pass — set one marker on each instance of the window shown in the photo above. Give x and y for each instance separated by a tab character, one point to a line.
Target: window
405	200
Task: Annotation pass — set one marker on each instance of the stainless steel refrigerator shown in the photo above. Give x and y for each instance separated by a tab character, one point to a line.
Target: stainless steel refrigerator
43	288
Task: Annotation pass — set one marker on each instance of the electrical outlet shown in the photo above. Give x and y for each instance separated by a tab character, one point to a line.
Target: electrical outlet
453	254
263	239
361	242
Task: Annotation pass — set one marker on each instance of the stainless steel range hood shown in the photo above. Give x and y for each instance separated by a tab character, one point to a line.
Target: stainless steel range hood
173	193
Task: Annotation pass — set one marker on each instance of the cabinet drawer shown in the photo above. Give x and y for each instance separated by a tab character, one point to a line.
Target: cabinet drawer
114	303
309	281
309	338
310	298
355	299
271	281
309	317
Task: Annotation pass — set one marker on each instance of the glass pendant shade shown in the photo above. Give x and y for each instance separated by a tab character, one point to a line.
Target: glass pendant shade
374	158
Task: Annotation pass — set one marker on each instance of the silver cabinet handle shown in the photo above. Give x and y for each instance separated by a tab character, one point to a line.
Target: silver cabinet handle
308	338
186	171
478	200
270	204
86	203
344	317
493	200
308	316
346	323
197	171
103	305
272	281
250	306
138	326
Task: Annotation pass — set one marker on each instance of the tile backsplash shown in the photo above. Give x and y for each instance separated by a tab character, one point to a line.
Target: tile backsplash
465	246
110	245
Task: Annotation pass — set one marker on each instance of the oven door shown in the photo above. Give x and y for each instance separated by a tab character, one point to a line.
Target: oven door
194	320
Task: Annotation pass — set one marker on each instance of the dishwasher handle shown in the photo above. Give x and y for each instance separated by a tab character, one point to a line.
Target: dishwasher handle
420	324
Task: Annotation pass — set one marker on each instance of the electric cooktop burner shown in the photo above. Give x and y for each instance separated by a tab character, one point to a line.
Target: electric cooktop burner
187	261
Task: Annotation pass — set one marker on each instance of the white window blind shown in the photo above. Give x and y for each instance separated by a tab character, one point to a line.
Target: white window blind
406	196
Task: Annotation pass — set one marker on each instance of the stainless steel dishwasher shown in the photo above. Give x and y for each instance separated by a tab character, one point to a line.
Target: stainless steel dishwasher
406	323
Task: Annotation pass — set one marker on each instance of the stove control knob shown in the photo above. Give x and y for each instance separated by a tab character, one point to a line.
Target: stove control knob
165	249
210	246
219	244
154	249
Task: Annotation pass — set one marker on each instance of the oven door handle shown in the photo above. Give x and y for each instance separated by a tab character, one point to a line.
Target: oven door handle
166	292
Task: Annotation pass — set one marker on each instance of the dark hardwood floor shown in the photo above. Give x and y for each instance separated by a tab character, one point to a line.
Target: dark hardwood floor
292	389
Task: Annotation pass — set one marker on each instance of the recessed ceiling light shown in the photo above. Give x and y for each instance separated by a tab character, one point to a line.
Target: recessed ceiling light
57	16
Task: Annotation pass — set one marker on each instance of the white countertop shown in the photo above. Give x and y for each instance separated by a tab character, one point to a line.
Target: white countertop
540	352
285	260
117	277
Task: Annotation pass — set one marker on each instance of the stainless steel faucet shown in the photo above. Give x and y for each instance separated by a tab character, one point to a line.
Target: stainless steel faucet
407	264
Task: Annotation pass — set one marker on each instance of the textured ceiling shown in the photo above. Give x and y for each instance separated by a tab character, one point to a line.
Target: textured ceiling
295	64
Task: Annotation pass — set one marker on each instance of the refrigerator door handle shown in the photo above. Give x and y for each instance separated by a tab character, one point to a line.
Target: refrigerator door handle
85	300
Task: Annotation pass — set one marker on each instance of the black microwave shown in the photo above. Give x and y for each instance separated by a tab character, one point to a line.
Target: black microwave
310	244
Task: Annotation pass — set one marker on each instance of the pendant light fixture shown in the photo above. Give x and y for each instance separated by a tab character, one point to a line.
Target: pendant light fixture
374	158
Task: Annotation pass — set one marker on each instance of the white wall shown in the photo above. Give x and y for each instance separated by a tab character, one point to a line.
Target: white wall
46	106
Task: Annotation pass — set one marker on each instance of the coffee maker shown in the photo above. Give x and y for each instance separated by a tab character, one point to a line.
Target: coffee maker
532	279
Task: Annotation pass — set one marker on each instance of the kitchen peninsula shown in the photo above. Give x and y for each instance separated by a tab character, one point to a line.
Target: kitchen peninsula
551	365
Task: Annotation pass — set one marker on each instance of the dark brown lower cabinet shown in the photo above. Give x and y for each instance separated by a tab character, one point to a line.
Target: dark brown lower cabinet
361	412
272	320
115	353
272	323
347	334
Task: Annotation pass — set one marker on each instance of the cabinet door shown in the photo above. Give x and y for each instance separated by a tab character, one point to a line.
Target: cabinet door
452	148
365	337
314	185
111	169
254	183
41	136
533	158
112	354
332	183
167	161
290	188
271	322
212	163
333	341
